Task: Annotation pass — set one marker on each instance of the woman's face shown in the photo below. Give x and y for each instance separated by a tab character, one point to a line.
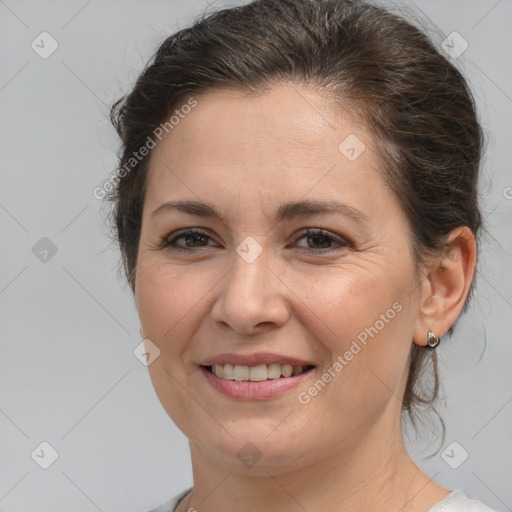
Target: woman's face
300	255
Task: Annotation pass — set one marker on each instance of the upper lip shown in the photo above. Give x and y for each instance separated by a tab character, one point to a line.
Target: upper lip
255	359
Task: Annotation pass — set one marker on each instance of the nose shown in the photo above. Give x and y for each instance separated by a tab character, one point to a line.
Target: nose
252	298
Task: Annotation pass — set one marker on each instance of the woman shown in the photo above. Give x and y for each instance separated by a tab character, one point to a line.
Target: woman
298	217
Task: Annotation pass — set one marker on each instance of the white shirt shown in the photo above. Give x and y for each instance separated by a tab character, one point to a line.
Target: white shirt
456	501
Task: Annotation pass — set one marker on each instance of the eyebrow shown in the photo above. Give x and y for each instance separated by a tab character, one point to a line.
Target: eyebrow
286	211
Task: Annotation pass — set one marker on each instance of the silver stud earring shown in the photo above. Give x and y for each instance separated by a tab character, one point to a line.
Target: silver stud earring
432	340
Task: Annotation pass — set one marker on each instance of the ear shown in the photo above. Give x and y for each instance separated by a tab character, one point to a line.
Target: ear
446	286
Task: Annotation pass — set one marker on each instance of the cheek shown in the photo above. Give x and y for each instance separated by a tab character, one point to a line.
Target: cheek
355	302
170	304
171	301
365	321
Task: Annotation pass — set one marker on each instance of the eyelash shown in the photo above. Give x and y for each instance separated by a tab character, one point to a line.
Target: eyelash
167	243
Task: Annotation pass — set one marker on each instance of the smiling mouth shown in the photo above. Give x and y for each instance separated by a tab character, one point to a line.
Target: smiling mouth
257	373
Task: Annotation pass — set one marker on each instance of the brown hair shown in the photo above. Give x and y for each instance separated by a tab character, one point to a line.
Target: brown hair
416	103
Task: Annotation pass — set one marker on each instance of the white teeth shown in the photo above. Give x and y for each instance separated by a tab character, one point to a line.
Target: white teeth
258	373
241	372
286	370
228	371
255	373
273	371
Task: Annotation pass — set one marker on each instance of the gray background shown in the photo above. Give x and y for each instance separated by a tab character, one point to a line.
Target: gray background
68	328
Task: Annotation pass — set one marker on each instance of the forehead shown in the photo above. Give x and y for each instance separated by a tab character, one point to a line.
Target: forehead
287	140
285	115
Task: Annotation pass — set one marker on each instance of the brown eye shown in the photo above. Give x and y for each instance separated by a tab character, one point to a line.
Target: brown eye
186	240
319	240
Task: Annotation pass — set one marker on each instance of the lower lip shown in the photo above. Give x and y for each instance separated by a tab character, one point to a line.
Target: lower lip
249	390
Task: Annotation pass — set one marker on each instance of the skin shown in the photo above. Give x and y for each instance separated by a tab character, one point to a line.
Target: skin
246	155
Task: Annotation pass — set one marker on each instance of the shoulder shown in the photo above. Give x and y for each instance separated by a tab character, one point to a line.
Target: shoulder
169	506
457	501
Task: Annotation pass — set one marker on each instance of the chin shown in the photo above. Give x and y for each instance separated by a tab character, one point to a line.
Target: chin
257	449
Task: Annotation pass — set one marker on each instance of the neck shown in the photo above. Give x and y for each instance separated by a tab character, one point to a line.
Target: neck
373	473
